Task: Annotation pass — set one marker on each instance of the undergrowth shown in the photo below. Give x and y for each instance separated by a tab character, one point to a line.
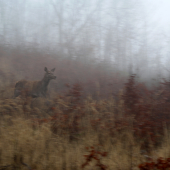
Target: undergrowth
73	131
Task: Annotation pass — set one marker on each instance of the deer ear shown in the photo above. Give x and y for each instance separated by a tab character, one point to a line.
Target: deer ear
53	70
45	69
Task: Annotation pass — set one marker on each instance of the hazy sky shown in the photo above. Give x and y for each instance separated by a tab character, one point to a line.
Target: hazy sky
159	13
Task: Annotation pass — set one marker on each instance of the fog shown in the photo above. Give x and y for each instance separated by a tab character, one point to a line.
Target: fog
129	37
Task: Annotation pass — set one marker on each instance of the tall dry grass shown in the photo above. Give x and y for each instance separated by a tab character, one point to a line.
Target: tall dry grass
26	142
53	133
41	149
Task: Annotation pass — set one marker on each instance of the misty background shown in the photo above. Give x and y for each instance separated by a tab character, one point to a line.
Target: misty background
125	37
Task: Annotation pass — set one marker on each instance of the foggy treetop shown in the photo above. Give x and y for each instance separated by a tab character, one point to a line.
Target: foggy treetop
127	35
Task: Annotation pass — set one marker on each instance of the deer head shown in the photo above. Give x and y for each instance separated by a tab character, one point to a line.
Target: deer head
49	74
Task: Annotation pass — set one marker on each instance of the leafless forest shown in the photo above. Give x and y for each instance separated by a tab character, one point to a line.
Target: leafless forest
108	103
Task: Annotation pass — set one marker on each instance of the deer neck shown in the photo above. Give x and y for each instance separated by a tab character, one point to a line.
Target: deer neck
45	82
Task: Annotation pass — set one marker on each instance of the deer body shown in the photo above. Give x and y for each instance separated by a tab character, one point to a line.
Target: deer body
34	88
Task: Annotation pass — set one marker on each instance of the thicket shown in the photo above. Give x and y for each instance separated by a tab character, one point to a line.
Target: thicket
91	119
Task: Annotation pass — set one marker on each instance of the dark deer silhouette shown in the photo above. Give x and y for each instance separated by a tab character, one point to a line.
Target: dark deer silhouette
34	88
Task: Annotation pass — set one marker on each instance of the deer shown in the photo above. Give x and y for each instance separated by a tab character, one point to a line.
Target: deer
35	88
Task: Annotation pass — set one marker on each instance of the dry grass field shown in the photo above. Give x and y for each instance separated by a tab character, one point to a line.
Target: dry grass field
51	134
91	124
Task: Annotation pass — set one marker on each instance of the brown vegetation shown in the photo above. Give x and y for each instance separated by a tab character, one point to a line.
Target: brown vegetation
83	124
